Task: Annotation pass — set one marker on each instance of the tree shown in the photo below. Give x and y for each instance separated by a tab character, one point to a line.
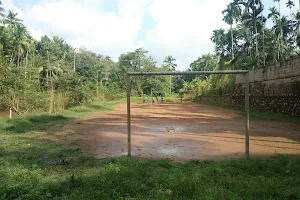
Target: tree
12	20
2	10
274	14
219	39
290	4
253	19
21	42
278	1
170	66
283	29
207	62
231	13
297	28
280	28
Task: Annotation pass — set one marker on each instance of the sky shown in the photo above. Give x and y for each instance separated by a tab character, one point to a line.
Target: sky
181	28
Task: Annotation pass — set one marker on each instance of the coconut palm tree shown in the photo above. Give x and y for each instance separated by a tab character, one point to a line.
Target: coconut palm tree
297	28
20	41
219	37
231	13
290	4
12	19
281	34
274	14
283	29
278	1
253	19
2	10
263	30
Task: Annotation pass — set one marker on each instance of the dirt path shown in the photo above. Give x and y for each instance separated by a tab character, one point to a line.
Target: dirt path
182	131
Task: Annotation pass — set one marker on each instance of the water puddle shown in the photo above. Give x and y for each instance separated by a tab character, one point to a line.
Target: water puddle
171	129
168	151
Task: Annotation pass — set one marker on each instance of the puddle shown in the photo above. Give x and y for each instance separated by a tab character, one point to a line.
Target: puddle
168	151
171	129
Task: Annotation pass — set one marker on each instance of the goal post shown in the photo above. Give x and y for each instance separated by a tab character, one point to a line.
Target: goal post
246	81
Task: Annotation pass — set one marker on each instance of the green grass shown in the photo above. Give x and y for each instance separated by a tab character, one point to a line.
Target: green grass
256	115
30	168
40	122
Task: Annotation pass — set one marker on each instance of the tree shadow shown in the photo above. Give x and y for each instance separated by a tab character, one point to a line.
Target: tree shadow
130	178
99	107
33	123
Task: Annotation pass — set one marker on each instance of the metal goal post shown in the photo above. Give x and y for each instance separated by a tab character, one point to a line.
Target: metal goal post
246	81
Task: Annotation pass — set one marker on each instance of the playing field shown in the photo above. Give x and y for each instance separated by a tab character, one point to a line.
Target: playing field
183	131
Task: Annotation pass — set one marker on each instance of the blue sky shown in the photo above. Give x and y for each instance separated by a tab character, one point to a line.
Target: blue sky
181	28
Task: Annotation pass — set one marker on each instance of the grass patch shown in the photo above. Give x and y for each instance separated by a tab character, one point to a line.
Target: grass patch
41	122
174	98
32	123
81	109
32	167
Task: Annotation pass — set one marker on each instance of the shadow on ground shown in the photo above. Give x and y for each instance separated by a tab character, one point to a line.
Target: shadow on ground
33	123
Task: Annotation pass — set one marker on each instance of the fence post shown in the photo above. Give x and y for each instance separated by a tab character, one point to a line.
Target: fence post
128	116
247	124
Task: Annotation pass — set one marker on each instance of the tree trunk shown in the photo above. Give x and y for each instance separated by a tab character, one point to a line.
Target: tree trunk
26	57
170	84
18	65
51	99
232	51
74	64
97	87
281	34
12	57
256	38
293	35
278	53
264	51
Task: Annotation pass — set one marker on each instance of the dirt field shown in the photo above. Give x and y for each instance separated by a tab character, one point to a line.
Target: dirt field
182	131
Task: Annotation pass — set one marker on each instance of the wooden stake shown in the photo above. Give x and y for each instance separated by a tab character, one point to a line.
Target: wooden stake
247	124
10	113
128	116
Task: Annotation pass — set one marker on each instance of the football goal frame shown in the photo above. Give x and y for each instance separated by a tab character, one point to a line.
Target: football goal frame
246	82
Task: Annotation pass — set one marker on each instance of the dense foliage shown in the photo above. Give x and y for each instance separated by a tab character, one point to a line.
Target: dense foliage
248	43
251	40
51	75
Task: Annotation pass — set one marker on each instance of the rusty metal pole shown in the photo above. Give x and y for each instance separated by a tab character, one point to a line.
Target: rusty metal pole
128	116
247	123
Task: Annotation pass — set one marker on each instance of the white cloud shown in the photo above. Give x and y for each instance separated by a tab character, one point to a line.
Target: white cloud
184	28
86	23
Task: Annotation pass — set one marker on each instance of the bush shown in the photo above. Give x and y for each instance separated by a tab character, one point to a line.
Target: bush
81	109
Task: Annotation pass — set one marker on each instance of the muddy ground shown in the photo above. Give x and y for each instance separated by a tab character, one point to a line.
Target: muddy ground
181	132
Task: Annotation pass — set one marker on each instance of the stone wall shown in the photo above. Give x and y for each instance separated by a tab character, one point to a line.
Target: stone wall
274	88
